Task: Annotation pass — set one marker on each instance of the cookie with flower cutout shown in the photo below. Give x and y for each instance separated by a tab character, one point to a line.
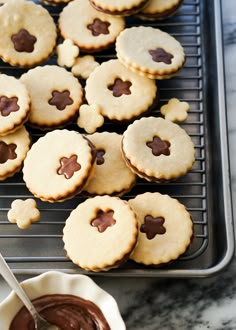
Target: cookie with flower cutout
84	66
175	110
90	117
23	212
67	52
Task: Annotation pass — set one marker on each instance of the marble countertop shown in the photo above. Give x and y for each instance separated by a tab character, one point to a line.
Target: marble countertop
152	304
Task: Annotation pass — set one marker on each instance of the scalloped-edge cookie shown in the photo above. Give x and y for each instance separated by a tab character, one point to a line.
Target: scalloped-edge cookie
56	96
163	151
150	52
112	176
160	9
121	94
100	233
84	66
90	117
23	212
14	104
58	165
13	150
88	28
175	110
165	229
119	7
28	33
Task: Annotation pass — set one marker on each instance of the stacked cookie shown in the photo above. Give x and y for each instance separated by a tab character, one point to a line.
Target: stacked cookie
104	231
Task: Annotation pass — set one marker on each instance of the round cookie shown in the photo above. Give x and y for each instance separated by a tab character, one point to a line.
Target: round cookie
56	96
121	94
28	33
150	52
100	233
58	165
112	176
13	150
165	228
157	149
160	9
118	7
89	29
14	104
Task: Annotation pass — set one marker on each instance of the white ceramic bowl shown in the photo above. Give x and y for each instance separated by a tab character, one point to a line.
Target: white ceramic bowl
54	282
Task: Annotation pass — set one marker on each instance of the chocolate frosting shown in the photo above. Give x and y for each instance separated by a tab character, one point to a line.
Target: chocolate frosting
159	146
8	105
61	99
23	41
68	166
65	311
99	27
7	151
120	87
160	55
103	220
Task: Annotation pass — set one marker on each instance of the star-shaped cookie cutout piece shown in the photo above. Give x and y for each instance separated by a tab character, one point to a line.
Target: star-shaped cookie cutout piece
67	52
175	110
60	99
68	166
23	212
84	66
153	226
159	146
99	27
90	117
7	152
8	105
103	220
120	87
23	41
160	55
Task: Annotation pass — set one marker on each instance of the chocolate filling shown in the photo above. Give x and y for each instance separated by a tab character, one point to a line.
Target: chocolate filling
125	12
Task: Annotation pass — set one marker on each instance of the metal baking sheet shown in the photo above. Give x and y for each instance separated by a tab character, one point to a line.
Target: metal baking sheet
205	190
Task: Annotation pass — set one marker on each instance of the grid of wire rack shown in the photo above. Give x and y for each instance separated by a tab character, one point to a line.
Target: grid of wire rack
41	245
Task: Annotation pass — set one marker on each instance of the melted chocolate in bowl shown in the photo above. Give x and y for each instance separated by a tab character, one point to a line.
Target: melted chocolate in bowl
68	312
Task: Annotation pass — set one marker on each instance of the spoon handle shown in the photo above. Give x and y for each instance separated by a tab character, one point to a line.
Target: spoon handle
8	275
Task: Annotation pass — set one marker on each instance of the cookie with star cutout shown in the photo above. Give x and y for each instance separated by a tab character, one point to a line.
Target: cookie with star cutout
100	233
56	96
88	28
13	150
165	229
27	35
120	93
158	55
112	176
58	165
14	104
163	152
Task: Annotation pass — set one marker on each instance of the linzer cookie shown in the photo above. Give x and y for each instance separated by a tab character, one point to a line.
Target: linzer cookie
150	52
88	28
160	9
13	150
28	33
157	149
100	233
14	104
119	7
165	229
55	2
112	176
58	165
56	96
121	94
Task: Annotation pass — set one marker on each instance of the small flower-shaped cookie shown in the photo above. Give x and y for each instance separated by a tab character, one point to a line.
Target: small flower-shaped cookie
175	110
23	213
90	117
84	66
67	53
